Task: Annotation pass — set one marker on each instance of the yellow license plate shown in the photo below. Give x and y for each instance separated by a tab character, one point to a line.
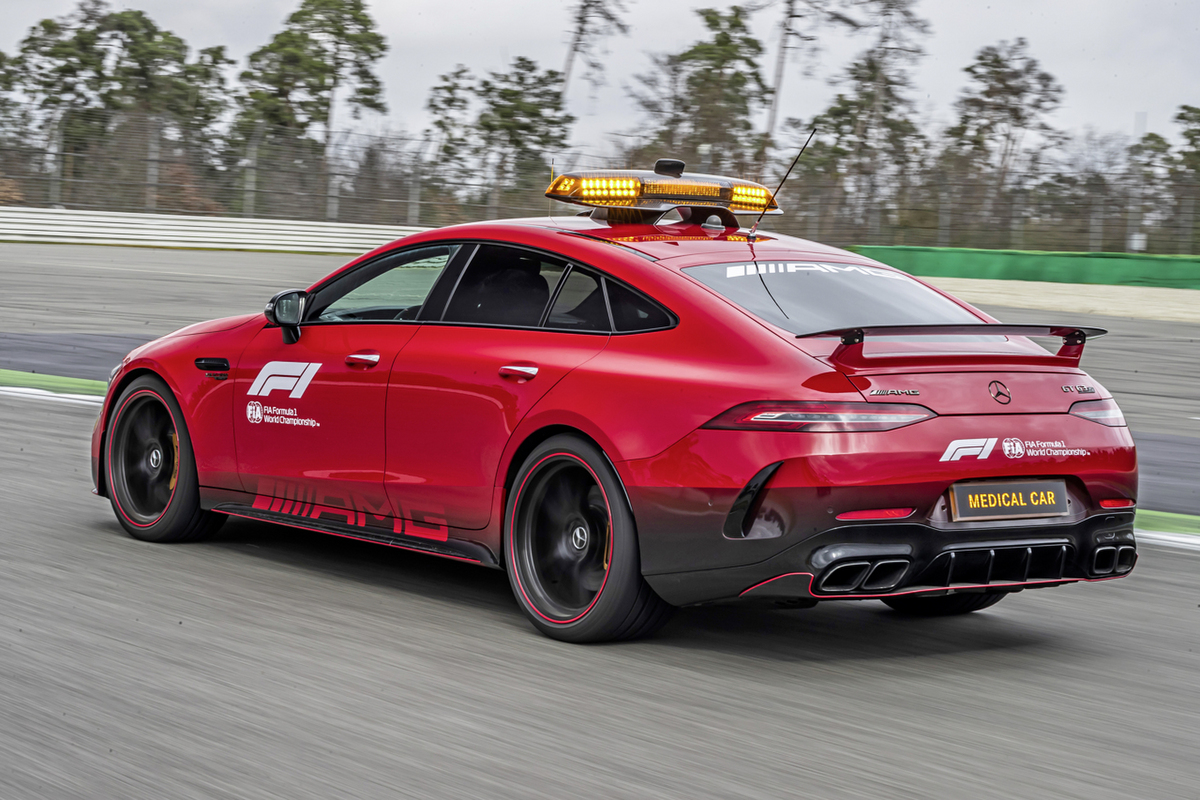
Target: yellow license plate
1008	500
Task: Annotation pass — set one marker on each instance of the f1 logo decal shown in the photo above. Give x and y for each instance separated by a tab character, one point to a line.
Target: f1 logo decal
293	376
968	447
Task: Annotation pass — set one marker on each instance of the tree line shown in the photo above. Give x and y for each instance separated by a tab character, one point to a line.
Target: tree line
104	108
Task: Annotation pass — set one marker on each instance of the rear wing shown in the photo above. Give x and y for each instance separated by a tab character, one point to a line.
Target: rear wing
849	353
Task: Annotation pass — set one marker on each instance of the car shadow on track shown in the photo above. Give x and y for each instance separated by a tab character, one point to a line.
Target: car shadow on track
852	631
832	632
364	562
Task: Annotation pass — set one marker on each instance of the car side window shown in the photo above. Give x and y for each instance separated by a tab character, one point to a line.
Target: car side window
392	288
504	286
632	311
579	305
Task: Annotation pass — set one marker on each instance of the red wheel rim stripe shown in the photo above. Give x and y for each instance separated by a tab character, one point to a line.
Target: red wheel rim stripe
116	419
512	550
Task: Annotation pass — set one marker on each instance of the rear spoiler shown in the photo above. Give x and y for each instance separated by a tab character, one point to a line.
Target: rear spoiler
849	352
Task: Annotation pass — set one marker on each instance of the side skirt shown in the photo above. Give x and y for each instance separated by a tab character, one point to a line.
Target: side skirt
457	549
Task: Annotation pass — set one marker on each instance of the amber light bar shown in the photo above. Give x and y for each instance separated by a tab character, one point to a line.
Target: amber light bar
653	191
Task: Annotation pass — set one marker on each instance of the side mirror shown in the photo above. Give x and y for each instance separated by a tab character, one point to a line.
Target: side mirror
286	310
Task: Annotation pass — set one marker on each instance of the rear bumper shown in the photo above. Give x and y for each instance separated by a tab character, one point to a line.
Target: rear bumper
874	560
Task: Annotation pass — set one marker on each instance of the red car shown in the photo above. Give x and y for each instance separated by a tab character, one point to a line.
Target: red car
635	409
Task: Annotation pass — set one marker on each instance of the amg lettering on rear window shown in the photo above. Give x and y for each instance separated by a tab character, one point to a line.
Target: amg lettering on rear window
809	296
784	267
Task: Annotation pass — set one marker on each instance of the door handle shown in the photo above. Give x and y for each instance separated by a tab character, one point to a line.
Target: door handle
366	358
521	372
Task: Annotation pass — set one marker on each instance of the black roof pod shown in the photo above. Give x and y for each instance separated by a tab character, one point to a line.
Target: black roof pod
672	167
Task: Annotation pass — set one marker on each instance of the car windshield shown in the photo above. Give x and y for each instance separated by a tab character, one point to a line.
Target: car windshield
808	297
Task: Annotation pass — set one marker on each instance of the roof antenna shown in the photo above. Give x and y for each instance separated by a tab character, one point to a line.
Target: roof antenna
754	230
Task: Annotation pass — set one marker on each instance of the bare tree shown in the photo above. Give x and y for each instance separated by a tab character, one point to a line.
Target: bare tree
797	35
592	20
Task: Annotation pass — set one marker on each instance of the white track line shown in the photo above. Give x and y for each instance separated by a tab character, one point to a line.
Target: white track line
54	397
1182	541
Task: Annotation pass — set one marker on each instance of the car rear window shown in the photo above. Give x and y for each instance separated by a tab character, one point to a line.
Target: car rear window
807	297
579	305
633	312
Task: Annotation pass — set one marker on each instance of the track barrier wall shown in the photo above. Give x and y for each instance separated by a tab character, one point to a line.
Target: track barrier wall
63	226
1115	269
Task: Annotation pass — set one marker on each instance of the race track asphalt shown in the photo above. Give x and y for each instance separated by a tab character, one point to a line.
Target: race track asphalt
272	663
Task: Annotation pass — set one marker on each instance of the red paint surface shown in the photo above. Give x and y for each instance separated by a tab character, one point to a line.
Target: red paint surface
433	432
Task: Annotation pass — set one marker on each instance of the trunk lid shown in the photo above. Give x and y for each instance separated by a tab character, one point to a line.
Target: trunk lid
982	391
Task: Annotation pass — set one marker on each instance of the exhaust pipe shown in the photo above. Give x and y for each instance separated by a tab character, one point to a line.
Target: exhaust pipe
1126	558
845	577
885	575
1104	560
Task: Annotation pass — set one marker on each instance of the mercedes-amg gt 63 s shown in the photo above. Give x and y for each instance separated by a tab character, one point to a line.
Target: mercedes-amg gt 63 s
641	407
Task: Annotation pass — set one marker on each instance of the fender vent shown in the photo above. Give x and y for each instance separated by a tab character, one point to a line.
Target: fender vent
739	514
213	364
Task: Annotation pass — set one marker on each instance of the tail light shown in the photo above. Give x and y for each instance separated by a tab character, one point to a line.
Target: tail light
1117	503
1106	412
878	513
819	417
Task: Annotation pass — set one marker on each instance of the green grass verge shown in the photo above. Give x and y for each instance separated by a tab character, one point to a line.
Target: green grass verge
1166	522
52	383
1114	269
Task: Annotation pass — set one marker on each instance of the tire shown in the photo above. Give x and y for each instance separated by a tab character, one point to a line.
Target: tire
571	548
151	469
944	606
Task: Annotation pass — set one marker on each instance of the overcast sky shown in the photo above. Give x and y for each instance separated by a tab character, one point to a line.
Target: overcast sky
1114	57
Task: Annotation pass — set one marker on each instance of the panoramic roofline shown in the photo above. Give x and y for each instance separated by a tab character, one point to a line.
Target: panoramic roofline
685	239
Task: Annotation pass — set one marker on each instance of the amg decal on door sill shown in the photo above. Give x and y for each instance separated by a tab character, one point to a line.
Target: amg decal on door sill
290	376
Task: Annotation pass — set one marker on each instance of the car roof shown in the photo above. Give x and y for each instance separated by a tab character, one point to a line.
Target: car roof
680	244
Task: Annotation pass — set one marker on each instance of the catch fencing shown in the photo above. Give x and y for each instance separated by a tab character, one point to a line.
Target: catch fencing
150	164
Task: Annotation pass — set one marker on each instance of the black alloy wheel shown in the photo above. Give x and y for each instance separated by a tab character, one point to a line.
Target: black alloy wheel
566	537
151	469
145	457
572	548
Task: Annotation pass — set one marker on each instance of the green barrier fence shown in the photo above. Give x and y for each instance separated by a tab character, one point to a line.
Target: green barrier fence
1122	269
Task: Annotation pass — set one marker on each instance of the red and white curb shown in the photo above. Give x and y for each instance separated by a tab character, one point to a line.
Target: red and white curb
1181	541
52	397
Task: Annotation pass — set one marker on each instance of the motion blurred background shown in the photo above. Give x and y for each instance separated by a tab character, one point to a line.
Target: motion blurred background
1024	125
271	662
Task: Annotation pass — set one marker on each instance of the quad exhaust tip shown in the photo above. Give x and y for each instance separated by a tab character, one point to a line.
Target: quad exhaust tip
1104	560
845	577
885	575
1110	560
878	576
